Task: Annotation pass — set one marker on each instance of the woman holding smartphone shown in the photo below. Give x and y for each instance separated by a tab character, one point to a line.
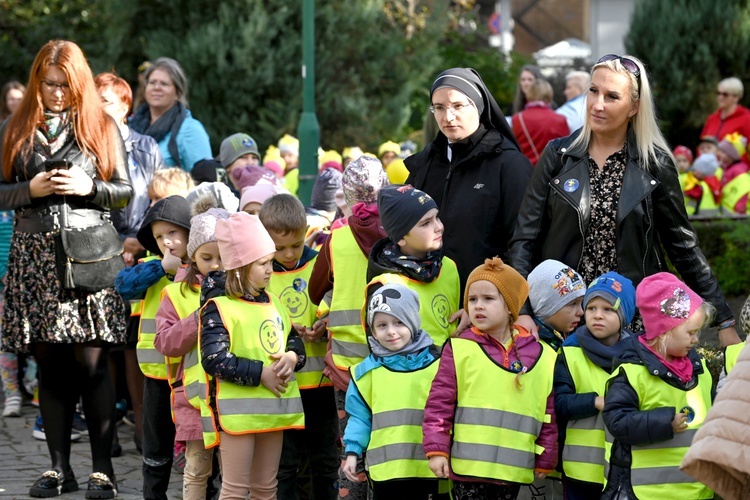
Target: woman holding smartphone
61	154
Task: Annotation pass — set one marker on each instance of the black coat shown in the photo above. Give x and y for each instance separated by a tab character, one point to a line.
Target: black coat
630	426
478	194
553	222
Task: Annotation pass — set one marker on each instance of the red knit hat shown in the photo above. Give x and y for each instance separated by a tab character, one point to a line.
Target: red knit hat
665	302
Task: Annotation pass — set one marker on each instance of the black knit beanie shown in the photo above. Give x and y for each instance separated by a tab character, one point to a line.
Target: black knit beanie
401	207
173	209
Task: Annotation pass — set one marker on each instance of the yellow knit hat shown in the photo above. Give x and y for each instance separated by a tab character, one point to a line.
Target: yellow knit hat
389	146
510	284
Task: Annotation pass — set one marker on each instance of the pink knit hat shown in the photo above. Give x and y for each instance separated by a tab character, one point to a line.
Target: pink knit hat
664	302
258	194
242	240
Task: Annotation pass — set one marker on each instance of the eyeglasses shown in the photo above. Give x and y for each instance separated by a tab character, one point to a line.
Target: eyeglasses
51	86
440	110
158	83
630	66
724	94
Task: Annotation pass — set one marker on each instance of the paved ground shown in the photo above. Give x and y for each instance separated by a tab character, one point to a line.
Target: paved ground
23	459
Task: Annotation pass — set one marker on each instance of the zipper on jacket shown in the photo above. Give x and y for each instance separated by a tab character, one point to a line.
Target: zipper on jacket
447	182
580	220
648	248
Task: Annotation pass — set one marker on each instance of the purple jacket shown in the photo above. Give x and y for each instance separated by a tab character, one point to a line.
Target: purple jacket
441	403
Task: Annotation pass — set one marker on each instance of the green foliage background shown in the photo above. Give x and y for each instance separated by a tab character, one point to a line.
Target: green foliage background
374	60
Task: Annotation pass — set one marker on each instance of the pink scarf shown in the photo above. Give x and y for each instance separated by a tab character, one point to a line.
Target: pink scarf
681	367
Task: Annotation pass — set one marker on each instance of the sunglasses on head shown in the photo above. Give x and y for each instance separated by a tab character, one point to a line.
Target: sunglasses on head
629	65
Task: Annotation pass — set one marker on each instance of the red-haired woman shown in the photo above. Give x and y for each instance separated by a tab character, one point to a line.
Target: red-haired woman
69	330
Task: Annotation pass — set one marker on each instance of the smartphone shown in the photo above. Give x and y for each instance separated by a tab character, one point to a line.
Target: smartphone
50	165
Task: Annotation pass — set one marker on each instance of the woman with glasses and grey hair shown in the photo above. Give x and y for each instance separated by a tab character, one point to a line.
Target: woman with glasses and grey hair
607	197
165	116
473	170
730	116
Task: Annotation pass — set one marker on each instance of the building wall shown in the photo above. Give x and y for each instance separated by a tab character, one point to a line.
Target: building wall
539	23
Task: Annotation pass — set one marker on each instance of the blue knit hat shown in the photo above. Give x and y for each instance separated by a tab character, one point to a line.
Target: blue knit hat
618	291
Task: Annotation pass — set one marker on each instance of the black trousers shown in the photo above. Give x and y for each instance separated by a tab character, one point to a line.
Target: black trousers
158	438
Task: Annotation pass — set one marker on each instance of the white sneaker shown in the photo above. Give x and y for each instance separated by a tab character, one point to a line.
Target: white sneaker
12	407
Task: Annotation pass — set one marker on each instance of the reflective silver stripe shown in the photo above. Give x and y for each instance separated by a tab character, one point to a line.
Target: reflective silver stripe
346	317
313	364
208	424
497	418
393	418
192	390
260	406
680	440
349	349
587	424
492	454
148	325
659	475
585	454
190	359
151	356
398	451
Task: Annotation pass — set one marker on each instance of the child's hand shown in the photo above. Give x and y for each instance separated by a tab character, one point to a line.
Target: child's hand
350	469
439	466
599	403
679	422
170	263
540	475
463	320
284	364
319	329
272	382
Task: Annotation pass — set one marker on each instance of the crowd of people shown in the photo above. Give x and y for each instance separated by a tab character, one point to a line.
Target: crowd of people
491	317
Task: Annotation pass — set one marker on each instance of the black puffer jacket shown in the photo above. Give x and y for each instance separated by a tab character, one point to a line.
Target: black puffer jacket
478	193
553	221
628	425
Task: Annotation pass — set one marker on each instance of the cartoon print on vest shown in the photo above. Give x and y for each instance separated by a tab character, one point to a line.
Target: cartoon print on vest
294	298
688	412
270	336
440	309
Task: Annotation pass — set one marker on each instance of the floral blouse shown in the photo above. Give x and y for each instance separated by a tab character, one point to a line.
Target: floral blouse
599	244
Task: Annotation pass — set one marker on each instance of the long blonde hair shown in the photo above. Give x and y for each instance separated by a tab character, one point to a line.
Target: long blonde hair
659	344
239	283
649	139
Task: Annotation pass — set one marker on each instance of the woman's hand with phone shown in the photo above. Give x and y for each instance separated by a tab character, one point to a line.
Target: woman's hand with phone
72	181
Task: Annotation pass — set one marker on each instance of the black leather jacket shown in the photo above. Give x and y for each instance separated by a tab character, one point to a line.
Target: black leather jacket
40	212
553	223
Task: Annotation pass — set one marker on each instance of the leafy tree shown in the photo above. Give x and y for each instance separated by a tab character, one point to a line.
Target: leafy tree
688	46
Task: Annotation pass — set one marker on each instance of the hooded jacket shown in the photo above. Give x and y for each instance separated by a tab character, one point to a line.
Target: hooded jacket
479	193
553	221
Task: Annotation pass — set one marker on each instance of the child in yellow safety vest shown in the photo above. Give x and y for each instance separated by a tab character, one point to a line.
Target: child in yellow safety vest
583	367
251	351
177	337
556	292
489	422
164	233
283	216
386	398
658	396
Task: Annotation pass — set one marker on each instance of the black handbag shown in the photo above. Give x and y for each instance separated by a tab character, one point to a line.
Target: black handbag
92	249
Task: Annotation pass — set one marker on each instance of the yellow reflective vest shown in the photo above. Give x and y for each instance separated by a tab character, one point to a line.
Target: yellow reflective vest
193	376
734	190
438	299
731	354
583	451
395	449
349	264
292	288
153	364
256	331
496	424
655	468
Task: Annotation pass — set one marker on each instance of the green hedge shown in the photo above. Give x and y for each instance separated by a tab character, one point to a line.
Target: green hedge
726	243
